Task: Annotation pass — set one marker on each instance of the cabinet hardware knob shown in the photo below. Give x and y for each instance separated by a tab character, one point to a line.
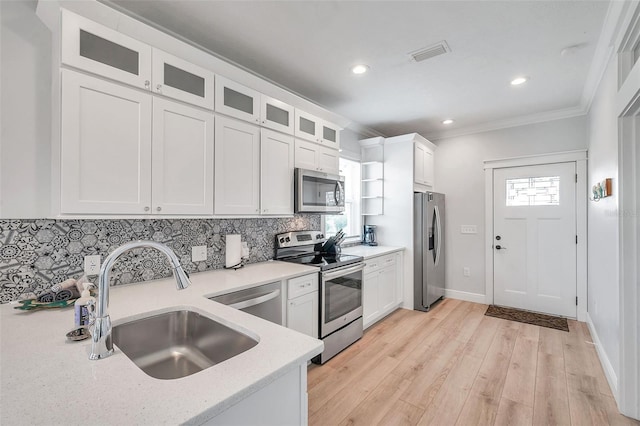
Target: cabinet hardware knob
159	87
146	209
158	208
147	83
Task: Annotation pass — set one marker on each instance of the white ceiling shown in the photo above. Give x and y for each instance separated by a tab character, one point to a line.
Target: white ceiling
309	47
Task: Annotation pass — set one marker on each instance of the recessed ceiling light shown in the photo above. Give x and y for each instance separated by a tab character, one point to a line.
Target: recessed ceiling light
360	69
447	121
518	81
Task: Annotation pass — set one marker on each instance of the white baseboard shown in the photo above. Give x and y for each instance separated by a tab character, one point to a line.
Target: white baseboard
464	295
609	373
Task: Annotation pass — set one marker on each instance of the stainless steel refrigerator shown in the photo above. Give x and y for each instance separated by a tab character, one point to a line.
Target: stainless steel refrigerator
428	249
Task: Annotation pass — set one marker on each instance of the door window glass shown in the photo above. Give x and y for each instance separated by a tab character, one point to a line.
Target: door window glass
307	126
342	295
533	191
349	221
329	134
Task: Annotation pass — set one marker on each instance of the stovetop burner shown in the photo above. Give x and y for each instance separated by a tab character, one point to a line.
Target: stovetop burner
304	248
324	261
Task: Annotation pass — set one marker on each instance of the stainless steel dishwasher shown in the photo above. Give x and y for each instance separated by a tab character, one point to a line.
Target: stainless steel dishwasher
263	301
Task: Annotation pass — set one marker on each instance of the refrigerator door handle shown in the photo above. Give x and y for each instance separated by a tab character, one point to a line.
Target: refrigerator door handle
438	231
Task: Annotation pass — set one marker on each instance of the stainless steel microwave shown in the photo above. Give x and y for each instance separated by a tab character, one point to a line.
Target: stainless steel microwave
317	192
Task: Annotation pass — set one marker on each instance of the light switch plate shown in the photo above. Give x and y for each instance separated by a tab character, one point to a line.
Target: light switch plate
198	253
468	229
92	265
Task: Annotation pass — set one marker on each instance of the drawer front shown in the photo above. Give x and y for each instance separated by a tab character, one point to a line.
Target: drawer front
302	285
379	262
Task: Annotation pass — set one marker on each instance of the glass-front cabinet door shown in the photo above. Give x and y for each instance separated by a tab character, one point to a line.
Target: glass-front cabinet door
330	135
276	115
307	126
100	50
237	101
182	80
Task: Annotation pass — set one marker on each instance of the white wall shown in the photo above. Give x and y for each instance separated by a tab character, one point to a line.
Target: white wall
603	281
25	69
460	176
349	144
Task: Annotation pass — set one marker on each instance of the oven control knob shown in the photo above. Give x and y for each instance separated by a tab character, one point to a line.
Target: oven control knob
288	239
281	240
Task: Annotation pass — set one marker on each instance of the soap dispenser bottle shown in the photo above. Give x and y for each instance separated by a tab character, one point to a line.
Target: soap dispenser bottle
81	306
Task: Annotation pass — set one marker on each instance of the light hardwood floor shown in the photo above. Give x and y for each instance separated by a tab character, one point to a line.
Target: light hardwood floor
455	366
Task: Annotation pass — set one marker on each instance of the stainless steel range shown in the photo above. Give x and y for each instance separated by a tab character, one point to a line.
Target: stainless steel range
340	287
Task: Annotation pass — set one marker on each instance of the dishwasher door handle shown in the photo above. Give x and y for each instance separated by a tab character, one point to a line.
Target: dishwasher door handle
258	300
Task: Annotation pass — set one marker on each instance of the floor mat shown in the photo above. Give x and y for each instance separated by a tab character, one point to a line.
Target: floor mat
527	317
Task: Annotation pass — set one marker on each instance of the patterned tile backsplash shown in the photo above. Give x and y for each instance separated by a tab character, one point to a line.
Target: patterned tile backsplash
35	254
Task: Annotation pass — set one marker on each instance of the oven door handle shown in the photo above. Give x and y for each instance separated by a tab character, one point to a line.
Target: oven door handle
342	272
258	300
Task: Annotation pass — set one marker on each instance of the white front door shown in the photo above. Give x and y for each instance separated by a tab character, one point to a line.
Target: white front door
534	246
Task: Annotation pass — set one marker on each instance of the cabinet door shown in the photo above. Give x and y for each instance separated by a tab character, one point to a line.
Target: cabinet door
428	167
182	80
370	298
328	160
387	288
399	278
418	158
105	147
276	115
237	167
182	159
237	101
276	173
302	314
308	127
306	155
330	135
98	49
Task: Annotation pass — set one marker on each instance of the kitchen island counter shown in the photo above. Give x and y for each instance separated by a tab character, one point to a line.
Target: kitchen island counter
47	380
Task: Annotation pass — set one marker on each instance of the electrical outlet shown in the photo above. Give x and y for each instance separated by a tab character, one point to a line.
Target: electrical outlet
466	271
198	253
92	265
468	229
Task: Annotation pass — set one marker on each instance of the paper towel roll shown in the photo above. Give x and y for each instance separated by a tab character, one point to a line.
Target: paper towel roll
233	250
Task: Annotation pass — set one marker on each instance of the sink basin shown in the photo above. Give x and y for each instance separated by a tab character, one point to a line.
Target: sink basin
178	343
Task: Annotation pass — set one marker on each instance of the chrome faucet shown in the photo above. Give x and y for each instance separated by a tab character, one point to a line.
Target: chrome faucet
102	345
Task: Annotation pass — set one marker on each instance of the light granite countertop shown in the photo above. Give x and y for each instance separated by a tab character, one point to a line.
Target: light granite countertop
370	251
47	380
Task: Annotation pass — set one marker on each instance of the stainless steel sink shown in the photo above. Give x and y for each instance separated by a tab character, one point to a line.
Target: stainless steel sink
178	343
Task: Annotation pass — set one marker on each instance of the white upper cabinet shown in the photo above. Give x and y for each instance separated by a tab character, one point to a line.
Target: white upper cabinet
95	48
314	129
105	158
182	159
307	126
311	156
182	80
276	173
276	115
423	165
237	167
236	100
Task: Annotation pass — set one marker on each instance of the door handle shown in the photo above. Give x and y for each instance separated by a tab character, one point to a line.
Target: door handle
499	247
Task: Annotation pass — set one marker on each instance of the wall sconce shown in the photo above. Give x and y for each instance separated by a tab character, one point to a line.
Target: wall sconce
601	190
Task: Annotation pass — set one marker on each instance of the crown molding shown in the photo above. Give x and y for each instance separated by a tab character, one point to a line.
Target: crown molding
510	122
364	131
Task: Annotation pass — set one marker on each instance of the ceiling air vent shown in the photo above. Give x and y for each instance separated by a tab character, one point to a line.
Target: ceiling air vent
430	51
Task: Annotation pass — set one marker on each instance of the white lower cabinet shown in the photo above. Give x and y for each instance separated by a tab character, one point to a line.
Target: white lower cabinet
303	304
380	288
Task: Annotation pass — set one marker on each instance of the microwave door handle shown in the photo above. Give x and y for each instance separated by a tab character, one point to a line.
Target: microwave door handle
338	193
